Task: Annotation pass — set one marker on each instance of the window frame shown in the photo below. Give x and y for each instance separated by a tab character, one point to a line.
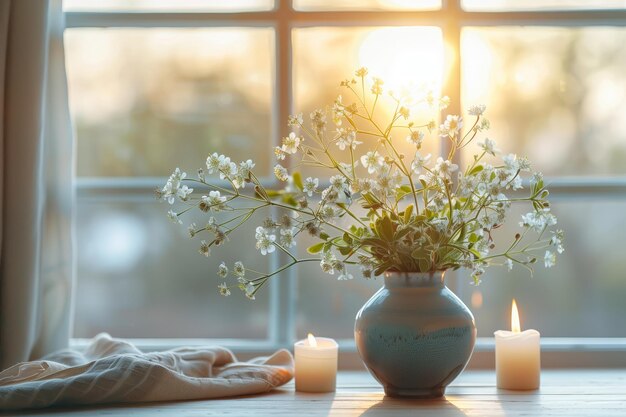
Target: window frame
451	19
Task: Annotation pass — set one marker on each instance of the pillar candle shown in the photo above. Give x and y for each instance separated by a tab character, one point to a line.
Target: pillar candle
316	364
517	356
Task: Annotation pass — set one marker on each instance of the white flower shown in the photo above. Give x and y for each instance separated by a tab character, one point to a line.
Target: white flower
264	241
295	120
281	172
489	146
222	270
347	138
451	127
224	289
445	167
214	201
192	229
477	110
419	162
226	168
174	217
173	187
328	263
549	259
510	163
243	173
205	249
287	237
291	143
416	138
372	161
509	264
250	290
557	241
239	270
279	153
538	220
310	185
213	163
345	275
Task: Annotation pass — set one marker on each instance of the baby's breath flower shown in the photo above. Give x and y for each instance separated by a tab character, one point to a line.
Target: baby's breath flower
489	146
249	289
509	264
419	162
224	290
549	259
416	138
347	138
239	270
361	72
205	249
287	237
291	143
295	120
214	201
310	185
222	270
557	240
265	241
281	172
192	229
279	153
477	110
451	127
372	161
213	163
377	86
174	217
445	167
345	275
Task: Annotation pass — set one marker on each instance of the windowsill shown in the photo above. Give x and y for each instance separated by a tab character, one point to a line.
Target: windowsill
557	352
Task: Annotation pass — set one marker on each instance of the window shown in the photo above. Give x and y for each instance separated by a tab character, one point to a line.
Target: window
155	83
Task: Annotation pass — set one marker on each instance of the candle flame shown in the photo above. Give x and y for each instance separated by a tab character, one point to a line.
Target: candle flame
312	341
515	326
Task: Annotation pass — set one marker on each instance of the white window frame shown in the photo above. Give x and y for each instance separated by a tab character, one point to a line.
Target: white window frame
451	18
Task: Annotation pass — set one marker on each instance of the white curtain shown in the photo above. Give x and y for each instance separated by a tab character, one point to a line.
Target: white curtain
36	189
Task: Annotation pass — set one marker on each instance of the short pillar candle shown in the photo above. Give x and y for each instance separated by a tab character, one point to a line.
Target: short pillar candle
518	363
316	364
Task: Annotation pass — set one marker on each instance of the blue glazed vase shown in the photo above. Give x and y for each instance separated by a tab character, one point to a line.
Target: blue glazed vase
415	335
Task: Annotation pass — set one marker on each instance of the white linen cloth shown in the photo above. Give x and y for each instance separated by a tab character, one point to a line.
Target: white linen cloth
115	371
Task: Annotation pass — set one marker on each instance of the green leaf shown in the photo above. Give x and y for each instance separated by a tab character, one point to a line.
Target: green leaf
476	170
315	248
424	265
297	180
324	236
407	213
347	239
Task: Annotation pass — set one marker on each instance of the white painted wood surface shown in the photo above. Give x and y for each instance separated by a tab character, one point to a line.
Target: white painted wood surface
570	393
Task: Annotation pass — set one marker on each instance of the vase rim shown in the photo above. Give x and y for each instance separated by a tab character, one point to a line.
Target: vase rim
395	279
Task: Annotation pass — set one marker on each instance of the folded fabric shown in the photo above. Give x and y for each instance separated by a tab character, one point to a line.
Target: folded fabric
115	371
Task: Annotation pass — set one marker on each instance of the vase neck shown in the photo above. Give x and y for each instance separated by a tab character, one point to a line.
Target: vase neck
414	279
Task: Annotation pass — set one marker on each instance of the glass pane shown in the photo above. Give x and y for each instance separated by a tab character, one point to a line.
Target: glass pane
144	100
167	5
141	276
504	5
328	307
582	296
554	95
325	56
367	4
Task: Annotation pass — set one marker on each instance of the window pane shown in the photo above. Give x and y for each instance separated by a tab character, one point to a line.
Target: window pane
504	5
141	276
144	99
367	4
167	5
325	56
553	94
582	296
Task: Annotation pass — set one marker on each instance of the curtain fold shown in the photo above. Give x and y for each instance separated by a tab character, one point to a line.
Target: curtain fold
36	194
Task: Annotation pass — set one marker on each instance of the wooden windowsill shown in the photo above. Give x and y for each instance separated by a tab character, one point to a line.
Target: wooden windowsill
569	393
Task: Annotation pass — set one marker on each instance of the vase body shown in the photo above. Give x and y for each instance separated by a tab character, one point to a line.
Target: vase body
415	335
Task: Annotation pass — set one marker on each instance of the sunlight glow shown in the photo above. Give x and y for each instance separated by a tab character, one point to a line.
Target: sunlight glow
404	57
